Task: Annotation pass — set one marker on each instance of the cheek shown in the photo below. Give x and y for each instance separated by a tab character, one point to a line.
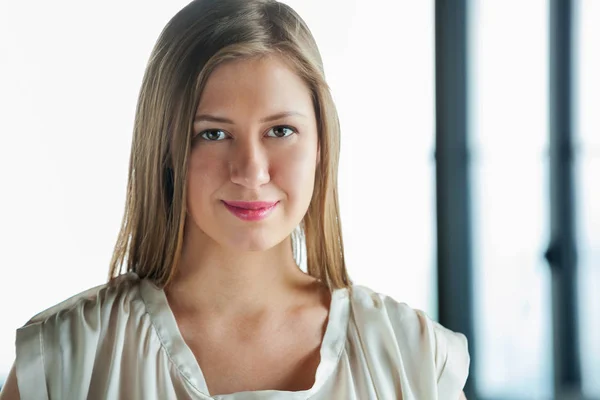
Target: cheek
294	171
205	174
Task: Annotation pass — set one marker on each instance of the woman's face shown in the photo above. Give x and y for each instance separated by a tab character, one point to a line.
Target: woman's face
254	140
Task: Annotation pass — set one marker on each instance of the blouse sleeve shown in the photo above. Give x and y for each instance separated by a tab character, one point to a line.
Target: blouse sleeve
29	365
452	361
52	348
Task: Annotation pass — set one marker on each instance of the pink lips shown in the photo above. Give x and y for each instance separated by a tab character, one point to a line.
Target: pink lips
250	211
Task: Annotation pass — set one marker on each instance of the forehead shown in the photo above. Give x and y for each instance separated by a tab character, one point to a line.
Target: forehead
255	85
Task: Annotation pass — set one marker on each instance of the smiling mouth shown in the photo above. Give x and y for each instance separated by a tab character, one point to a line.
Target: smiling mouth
250	211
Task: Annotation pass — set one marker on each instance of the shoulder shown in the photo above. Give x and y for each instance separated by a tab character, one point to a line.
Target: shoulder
423	344
64	339
101	298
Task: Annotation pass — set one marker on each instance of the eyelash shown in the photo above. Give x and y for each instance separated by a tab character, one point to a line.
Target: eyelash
201	134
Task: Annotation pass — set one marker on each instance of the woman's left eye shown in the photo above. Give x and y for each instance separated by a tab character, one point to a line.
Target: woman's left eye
281	131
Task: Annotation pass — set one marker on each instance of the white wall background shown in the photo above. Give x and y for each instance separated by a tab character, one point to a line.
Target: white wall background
69	77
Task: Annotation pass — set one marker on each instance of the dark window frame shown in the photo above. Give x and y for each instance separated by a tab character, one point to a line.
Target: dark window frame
453	196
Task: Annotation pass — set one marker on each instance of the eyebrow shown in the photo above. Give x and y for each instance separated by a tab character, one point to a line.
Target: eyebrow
212	118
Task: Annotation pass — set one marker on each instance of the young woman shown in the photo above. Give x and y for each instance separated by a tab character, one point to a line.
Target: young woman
233	176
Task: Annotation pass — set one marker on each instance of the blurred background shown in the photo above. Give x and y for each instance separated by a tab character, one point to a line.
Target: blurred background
476	120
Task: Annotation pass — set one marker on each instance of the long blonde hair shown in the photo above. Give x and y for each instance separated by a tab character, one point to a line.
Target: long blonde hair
194	42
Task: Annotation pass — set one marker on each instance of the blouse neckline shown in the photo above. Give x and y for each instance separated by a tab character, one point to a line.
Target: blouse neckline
182	357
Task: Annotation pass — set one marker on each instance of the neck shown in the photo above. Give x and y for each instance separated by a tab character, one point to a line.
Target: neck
219	281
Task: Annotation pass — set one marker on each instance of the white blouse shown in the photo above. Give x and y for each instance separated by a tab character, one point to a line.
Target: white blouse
121	341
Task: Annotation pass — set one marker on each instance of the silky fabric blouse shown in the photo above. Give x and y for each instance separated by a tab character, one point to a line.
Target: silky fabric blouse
121	341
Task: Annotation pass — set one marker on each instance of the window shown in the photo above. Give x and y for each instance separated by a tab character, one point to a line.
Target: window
509	142
587	140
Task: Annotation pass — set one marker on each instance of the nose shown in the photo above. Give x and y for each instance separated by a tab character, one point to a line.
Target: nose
249	164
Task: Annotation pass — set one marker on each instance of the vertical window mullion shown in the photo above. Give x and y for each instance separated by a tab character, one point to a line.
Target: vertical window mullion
561	254
452	184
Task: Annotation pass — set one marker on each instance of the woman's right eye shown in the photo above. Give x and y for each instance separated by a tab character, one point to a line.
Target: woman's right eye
213	135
